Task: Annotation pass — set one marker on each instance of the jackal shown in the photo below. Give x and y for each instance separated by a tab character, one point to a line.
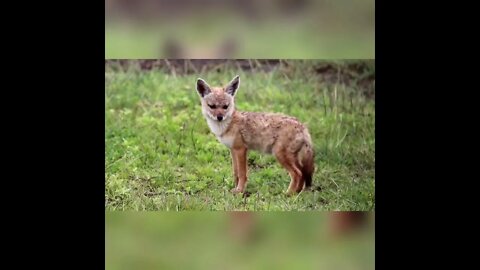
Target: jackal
283	136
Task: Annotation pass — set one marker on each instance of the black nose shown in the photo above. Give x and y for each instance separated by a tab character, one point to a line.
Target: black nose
219	118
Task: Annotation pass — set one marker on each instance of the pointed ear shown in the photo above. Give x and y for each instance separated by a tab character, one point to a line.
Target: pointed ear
232	86
202	88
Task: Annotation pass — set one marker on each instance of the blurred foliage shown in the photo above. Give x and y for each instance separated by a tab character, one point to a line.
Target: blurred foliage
208	240
200	29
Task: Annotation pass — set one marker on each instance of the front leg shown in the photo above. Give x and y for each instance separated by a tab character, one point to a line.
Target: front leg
235	169
241	160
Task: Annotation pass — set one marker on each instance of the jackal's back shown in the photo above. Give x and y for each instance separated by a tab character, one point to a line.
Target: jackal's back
267	132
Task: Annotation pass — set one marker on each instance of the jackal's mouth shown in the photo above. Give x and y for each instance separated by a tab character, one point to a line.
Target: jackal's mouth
217	118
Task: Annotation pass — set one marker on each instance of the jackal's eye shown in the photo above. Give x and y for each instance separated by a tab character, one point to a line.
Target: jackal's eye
212	106
225	107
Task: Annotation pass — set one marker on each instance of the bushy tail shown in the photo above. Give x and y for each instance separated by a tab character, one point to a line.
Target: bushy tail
307	160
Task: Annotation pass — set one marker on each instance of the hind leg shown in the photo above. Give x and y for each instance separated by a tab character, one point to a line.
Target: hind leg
300	184
287	160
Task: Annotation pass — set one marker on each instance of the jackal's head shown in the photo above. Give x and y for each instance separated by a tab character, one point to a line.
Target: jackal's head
218	102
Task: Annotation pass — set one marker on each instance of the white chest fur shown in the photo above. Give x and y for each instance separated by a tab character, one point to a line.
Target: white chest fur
219	128
226	140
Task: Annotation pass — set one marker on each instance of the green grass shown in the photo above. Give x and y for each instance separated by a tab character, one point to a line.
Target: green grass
160	154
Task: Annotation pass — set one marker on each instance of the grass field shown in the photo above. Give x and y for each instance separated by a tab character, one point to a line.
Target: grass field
160	154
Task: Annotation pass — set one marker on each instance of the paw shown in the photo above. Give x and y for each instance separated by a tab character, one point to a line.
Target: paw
236	190
290	192
307	189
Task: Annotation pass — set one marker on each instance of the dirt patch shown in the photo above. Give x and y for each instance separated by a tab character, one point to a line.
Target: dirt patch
192	66
358	73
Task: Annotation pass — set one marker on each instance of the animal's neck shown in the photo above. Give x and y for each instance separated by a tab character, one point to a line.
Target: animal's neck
219	127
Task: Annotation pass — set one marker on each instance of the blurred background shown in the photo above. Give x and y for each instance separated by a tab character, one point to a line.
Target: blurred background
240	240
214	29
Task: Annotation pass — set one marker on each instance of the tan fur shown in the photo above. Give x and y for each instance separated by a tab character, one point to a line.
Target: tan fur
283	136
